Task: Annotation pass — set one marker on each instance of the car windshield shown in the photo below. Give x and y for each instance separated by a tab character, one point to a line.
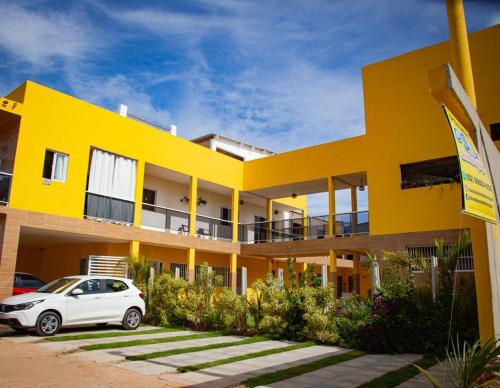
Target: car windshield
58	286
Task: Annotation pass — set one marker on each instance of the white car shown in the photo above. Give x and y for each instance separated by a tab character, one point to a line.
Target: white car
74	301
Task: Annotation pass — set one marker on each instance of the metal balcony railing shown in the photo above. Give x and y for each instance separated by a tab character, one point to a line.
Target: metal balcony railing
215	228
103	208
162	218
5	182
354	223
346	224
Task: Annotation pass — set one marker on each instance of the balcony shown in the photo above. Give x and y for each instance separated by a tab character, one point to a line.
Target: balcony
103	208
5	182
165	219
213	228
308	228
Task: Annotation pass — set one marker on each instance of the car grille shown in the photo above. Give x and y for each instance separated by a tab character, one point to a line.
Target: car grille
6	308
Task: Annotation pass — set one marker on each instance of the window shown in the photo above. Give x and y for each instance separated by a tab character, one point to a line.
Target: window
55	166
430	172
29	281
495	131
111	187
148	197
157	266
218	271
225	214
112	285
179	270
92	286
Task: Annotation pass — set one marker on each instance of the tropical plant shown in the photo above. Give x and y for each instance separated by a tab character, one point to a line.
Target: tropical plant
472	365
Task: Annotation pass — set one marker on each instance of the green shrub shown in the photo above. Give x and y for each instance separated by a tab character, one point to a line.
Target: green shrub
231	311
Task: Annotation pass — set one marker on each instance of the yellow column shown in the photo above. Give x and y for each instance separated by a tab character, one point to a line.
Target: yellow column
459	44
235	209
191	255
269	265
333	269
354	207
193	197
134	248
269	218
331	206
305	224
233	270
355	273
139	185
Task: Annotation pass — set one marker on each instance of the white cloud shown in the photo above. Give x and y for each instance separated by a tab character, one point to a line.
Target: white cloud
41	38
118	90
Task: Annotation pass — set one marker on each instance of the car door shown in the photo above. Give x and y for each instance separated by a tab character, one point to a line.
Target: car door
89	305
116	297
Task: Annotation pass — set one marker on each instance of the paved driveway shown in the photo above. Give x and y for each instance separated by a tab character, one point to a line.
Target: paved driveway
33	361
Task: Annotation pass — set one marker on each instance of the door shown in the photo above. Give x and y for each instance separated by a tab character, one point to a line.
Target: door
260	229
340	285
116	299
88	306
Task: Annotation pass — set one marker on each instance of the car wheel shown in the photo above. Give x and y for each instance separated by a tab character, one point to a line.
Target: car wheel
131	319
48	324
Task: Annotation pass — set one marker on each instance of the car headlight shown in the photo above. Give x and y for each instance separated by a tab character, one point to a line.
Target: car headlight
27	305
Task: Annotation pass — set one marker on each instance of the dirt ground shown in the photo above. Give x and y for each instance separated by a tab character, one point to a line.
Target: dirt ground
28	365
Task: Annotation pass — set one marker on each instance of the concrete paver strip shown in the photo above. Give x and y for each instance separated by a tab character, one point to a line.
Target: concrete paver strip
229	375
65	346
32	337
442	372
350	373
113	355
171	363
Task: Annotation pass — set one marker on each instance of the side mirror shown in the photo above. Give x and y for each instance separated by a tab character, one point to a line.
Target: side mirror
77	291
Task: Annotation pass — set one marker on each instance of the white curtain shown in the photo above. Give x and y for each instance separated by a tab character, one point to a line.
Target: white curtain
112	176
111	187
60	167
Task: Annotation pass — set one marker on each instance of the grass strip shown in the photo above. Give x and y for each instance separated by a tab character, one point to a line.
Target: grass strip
263	353
192	349
150	341
283	374
399	376
110	334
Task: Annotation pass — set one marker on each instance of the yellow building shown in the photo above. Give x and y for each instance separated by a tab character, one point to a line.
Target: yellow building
81	183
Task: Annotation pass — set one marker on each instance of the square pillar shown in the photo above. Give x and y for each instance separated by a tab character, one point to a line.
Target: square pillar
332	275
191	255
193	198
269	218
235	209
355	274
134	248
354	207
331	207
233	271
9	242
305	224
139	185
269	265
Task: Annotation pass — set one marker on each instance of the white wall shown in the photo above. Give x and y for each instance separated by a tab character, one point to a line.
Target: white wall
168	194
244	151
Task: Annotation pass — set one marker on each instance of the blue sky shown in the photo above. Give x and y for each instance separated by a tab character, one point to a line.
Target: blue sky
278	74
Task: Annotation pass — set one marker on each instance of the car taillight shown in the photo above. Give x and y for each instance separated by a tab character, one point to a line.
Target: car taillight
141	295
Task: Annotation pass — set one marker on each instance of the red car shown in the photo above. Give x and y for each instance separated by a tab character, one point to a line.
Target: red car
25	282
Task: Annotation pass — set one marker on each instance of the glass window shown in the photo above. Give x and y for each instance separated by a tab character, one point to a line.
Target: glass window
55	166
149	198
430	172
29	281
495	131
59	285
113	285
92	286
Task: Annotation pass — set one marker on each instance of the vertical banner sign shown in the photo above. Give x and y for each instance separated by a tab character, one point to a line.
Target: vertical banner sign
477	190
